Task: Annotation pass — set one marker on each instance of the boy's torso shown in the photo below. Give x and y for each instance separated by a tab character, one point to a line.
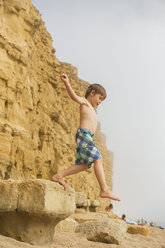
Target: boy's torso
88	117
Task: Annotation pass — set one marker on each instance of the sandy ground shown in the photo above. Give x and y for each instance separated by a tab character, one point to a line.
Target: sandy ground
155	239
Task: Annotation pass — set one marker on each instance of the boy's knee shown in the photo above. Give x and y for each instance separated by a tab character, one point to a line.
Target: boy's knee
98	161
84	167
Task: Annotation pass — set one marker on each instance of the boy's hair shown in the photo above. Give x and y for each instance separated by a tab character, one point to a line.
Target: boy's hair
99	89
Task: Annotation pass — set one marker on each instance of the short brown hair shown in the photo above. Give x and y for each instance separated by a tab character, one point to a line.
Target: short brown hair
99	89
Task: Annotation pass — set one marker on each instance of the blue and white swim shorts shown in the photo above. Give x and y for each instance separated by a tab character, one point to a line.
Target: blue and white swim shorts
87	151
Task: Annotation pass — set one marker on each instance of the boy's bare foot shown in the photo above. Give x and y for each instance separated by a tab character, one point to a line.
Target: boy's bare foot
60	180
109	194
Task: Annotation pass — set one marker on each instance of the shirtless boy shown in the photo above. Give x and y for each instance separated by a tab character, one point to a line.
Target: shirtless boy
87	152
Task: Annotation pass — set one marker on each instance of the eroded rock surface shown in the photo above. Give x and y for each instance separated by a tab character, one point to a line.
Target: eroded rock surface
105	230
30	209
67	225
137	229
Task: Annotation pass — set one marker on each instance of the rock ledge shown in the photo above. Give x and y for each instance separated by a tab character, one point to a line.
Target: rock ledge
30	209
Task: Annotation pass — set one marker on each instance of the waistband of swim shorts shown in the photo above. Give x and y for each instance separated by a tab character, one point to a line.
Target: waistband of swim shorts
84	130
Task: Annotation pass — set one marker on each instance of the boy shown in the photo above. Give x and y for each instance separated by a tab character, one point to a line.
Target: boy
87	152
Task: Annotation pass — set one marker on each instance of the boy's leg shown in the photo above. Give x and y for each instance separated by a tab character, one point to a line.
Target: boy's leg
104	190
67	172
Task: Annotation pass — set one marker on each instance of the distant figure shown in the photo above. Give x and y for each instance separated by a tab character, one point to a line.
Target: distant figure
128	221
109	208
124	217
87	151
142	223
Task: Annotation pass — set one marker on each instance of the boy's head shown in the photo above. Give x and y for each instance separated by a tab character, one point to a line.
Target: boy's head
97	89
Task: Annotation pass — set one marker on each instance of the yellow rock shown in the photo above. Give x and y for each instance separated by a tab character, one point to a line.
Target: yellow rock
80	199
67	225
137	229
80	211
103	230
30	209
8	195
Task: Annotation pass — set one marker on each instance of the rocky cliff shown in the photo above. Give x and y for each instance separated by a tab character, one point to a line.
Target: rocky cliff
38	120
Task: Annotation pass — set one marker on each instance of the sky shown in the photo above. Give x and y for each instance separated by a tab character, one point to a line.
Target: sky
121	45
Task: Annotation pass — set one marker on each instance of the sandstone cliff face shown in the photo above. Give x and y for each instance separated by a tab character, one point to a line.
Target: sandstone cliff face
38	120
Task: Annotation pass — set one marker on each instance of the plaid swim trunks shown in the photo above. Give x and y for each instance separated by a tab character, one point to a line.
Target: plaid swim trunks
87	151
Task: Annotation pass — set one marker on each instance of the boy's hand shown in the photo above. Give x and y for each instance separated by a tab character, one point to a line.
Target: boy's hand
71	92
64	78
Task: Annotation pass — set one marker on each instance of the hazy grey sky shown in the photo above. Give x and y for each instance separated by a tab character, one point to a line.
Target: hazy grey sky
121	44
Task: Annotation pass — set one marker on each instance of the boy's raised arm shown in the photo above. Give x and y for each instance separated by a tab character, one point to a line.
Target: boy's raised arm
71	92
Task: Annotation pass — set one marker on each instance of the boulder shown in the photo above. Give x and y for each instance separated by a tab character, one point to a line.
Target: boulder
137	229
80	211
67	225
83	217
89	216
94	206
81	199
105	230
43	197
95	203
87	204
30	209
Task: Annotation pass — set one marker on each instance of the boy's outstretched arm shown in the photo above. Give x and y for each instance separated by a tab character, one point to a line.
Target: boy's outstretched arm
71	92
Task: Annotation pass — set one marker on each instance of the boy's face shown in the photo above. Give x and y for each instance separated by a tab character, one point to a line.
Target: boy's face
96	99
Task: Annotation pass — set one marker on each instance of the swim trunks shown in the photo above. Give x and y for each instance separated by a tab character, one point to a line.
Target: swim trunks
87	151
